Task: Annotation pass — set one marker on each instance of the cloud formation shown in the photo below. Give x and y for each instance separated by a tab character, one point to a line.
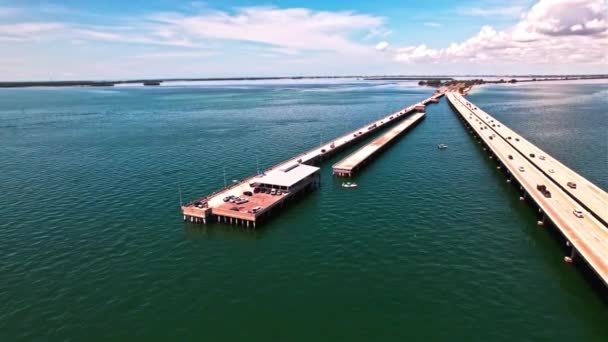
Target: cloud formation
382	46
295	29
432	24
508	11
552	31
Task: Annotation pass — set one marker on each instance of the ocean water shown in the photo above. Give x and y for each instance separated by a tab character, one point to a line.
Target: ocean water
432	245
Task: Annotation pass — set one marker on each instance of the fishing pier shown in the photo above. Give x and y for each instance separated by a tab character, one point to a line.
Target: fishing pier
250	201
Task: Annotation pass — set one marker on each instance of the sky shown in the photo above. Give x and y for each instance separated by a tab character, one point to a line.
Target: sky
117	39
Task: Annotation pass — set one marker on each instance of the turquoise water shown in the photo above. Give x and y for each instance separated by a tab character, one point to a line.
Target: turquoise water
432	245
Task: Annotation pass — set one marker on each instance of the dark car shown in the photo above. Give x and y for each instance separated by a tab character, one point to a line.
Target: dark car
510	156
247	193
323	151
532	155
256	190
572	185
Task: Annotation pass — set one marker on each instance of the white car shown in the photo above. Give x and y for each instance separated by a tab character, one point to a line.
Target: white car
521	169
578	212
551	171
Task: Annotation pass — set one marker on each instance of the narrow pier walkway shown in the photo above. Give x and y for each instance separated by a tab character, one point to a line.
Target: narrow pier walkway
587	236
348	165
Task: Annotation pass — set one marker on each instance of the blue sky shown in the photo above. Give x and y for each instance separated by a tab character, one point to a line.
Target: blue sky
72	39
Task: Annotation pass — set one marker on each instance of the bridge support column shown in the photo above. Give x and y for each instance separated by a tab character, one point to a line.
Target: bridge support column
573	255
541	222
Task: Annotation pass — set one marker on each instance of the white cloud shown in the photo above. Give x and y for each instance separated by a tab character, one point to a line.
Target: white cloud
382	46
558	17
552	31
508	11
175	54
432	24
293	28
26	29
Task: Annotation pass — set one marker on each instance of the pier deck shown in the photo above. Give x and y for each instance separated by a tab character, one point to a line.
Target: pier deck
213	206
587	235
589	195
348	165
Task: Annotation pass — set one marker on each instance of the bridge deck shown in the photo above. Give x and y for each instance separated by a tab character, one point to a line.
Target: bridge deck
586	193
588	235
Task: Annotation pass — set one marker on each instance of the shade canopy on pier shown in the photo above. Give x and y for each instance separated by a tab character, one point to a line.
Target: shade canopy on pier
286	177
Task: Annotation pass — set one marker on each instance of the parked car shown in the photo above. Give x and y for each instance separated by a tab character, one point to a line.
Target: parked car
273	191
572	185
323	151
532	155
521	169
256	190
509	138
578	212
279	192
516	139
551	171
247	193
254	210
541	157
510	157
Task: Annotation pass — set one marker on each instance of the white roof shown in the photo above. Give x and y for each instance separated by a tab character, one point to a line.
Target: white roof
281	178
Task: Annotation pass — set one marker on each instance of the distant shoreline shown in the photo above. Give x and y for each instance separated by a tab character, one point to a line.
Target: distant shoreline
159	81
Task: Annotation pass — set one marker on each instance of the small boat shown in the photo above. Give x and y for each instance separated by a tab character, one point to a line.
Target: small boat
442	146
349	185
